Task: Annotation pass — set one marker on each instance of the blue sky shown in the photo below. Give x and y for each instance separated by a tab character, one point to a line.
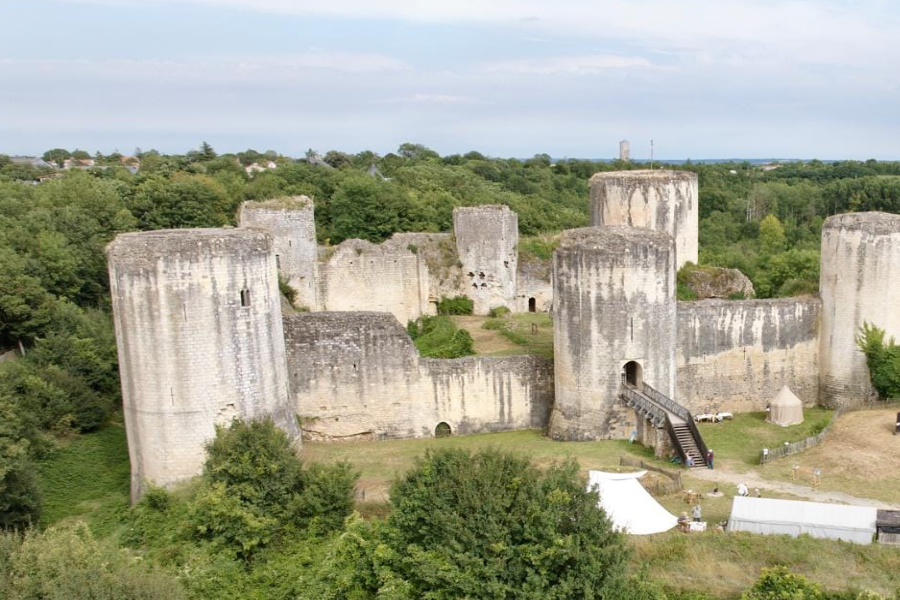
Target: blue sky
703	78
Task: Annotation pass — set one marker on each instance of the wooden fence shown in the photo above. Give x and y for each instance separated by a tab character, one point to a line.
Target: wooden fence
770	454
663	488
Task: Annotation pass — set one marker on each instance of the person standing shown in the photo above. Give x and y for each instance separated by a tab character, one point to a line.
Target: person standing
697	513
709	458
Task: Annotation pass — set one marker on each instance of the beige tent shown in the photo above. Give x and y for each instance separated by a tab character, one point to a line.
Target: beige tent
786	408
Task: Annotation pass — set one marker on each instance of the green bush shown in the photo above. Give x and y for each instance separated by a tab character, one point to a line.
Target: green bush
69	564
778	583
289	293
883	359
255	490
439	337
498	312
459	305
484	525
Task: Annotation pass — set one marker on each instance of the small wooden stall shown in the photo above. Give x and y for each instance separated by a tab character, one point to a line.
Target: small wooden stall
888	525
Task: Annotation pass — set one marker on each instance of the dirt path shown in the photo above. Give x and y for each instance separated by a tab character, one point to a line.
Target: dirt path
754	481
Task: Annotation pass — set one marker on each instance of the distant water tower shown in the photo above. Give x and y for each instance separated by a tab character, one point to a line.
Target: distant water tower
624	151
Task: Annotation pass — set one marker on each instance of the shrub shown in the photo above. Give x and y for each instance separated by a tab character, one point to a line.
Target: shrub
883	359
778	583
289	293
438	337
69	564
255	489
484	525
459	305
499	312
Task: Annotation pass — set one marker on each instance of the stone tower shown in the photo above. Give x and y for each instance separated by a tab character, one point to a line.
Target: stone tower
660	200
291	223
859	282
199	333
487	239
624	151
614	313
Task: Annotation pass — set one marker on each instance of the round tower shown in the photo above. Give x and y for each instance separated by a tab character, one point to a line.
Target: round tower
487	239
614	318
199	333
859	282
659	199
292	225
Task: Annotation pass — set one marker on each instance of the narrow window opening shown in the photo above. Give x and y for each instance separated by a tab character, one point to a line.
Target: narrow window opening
245	298
278	261
632	329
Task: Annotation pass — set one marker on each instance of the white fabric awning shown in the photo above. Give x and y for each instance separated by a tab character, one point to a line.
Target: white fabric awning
628	505
791	517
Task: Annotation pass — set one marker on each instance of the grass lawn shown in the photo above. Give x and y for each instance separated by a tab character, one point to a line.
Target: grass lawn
87	478
739	441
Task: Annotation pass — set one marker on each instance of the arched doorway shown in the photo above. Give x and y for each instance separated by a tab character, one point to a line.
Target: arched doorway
633	373
532	305
442	430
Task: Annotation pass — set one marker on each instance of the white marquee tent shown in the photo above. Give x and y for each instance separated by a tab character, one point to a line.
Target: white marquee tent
629	506
785	408
832	521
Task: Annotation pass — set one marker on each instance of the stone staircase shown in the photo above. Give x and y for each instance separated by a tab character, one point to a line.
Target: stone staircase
662	411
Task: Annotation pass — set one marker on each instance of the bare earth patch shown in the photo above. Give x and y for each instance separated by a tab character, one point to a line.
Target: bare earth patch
487	342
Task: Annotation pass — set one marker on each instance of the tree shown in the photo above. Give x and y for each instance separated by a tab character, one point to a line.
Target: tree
412	151
80	154
57	155
369	209
485	525
206	152
20	503
771	235
883	359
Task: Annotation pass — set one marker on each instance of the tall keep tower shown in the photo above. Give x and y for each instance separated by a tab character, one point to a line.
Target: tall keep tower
661	200
614	316
859	282
624	151
487	239
291	222
199	333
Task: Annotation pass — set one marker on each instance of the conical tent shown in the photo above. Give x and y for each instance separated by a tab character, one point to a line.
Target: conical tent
786	408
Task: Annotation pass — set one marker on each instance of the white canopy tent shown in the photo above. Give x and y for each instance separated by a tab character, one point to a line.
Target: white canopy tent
628	505
790	517
785	408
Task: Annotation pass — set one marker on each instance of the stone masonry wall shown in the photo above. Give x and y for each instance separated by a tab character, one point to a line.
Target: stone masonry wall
487	240
358	275
357	375
735	355
859	283
661	200
291	223
199	334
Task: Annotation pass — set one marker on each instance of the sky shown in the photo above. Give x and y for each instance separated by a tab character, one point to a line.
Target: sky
570	78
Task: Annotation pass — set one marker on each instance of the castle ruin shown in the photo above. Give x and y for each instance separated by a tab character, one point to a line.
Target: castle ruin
202	336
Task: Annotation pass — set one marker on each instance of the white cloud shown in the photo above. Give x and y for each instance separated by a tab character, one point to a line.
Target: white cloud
571	65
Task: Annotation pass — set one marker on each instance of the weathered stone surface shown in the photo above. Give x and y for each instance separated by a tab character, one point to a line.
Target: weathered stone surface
200	341
292	225
486	240
357	375
659	199
734	355
859	282
614	302
719	282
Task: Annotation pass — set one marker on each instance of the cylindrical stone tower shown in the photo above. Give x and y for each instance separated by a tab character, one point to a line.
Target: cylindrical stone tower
486	240
291	223
614	313
859	282
661	200
199	333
